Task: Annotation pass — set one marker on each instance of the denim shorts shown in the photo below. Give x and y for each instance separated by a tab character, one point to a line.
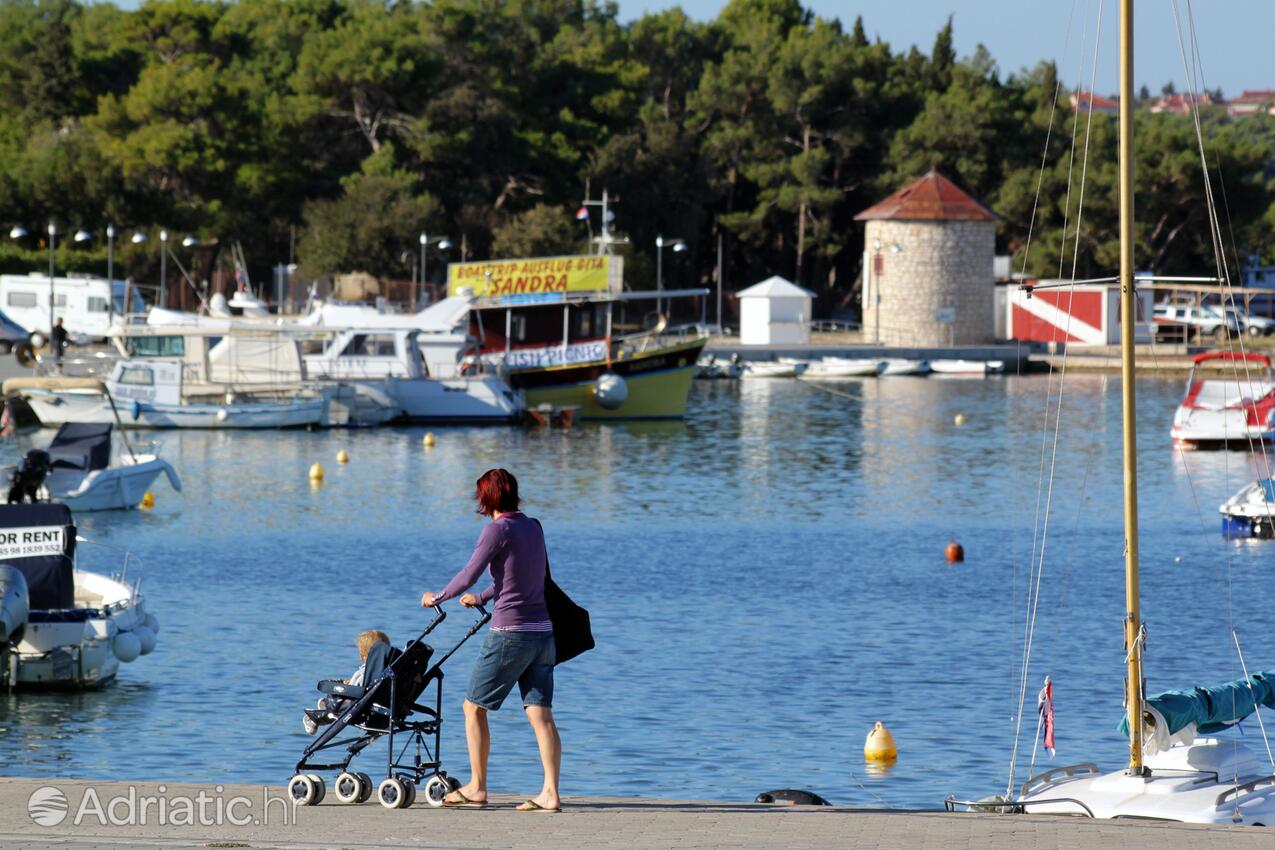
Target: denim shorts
508	657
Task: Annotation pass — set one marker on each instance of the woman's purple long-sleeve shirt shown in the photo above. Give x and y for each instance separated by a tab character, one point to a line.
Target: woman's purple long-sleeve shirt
512	550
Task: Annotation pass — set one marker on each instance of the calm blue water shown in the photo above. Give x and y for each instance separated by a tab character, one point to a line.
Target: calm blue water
766	580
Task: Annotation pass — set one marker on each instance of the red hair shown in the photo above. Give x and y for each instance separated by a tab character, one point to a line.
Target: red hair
496	490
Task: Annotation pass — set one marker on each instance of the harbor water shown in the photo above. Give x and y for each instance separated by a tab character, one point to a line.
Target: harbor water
766	580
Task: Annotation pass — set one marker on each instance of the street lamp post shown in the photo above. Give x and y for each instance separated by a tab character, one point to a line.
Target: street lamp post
163	268
110	275
443	244
678	245
53	234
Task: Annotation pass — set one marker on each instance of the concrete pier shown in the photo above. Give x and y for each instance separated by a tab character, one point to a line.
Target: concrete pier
175	818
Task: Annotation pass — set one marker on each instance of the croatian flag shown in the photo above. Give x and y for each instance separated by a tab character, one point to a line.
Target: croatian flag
582	213
1045	708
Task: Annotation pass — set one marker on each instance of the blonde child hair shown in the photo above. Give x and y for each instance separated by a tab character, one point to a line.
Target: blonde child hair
367	639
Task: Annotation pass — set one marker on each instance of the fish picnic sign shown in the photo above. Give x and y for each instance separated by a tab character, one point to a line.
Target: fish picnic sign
543	275
32	542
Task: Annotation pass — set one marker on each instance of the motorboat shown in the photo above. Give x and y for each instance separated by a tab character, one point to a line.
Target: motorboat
708	367
393	359
899	366
1251	511
62	627
763	369
1229	411
86	470
843	367
967	367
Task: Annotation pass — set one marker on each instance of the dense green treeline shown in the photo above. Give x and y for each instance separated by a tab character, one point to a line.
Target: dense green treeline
341	129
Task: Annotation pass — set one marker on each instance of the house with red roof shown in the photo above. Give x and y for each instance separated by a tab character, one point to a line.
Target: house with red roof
1252	102
1087	101
1180	104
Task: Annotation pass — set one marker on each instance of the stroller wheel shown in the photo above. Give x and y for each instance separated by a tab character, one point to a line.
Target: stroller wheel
436	788
348	788
303	791
411	793
322	788
366	787
392	793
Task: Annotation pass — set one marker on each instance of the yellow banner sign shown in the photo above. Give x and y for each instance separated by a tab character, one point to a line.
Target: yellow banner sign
540	276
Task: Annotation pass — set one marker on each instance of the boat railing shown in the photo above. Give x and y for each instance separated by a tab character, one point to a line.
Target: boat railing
1247	788
1018	807
1068	771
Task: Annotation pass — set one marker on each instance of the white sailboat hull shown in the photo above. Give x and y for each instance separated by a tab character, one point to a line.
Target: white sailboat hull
57	408
774	370
1211	781
480	399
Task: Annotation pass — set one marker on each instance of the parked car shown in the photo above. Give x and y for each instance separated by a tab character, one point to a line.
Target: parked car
1186	320
11	333
1251	325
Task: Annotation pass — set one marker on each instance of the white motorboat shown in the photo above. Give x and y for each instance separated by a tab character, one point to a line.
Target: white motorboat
899	366
1251	511
843	367
1233	410
762	369
61	627
86	470
967	367
395	360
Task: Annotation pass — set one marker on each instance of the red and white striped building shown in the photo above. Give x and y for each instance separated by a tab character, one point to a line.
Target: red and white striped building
1085	314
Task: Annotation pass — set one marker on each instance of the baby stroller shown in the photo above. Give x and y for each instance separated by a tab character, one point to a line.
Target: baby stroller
385	706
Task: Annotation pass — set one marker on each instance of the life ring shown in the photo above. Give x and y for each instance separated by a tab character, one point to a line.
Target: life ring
24	353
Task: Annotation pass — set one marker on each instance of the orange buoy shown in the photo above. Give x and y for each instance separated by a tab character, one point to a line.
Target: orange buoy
955	552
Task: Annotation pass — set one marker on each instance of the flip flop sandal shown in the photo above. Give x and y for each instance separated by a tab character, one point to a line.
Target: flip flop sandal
533	806
463	802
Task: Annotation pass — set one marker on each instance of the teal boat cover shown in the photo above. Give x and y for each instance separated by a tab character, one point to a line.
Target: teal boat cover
1212	709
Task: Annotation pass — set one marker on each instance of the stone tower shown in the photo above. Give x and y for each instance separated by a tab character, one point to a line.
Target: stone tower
927	278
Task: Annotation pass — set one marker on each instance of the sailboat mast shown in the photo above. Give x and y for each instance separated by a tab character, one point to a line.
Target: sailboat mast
1128	318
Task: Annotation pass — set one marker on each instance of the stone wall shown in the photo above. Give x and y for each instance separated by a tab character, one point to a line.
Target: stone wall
938	264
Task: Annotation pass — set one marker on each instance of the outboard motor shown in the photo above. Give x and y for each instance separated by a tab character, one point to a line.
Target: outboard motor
14	606
29	477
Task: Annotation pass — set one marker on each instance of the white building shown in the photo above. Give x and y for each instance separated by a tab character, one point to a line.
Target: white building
775	311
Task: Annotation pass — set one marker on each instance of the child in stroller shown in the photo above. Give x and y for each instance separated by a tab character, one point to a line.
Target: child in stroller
386	704
328	707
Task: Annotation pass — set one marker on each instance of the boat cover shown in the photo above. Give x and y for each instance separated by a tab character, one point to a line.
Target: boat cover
1212	709
81	445
49	572
1268	487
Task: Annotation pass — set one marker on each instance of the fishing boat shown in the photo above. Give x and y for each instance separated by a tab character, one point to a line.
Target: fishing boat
967	367
1172	775
1234	410
1251	511
84	468
61	627
843	367
776	369
900	366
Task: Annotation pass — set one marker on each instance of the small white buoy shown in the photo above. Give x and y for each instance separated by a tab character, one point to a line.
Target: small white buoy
343	456
316	472
223	415
428	440
960	419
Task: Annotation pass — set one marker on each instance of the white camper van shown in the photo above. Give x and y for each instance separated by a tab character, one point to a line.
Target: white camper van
80	302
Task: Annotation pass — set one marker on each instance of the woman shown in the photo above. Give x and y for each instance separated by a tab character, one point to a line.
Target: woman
519	648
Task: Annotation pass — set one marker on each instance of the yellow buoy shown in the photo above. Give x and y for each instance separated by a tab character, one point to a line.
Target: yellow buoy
148	501
428	440
343	456
960	419
880	744
316	472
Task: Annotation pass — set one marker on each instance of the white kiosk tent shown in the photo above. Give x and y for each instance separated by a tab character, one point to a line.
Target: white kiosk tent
775	311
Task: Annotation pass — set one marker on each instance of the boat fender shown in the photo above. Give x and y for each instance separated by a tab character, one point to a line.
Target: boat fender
136	411
610	391
126	646
152	623
146	638
791	797
880	744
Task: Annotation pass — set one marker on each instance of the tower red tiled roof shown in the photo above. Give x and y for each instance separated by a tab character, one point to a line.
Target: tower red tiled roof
932	198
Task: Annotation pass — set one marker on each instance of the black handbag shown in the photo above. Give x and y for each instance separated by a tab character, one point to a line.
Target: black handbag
572	633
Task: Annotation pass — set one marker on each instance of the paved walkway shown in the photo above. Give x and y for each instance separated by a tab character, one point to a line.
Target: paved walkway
592	824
